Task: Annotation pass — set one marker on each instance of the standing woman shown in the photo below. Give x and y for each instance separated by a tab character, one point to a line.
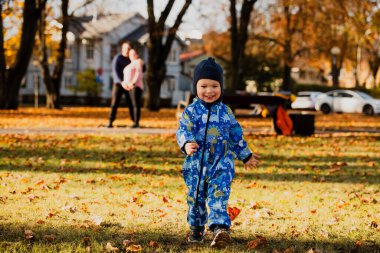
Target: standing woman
133	82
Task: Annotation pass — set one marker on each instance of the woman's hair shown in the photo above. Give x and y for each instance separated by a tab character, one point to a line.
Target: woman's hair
133	54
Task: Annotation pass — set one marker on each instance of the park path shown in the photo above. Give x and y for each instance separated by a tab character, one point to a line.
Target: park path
126	130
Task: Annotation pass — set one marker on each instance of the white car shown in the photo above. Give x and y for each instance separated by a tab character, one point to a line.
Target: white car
306	100
347	101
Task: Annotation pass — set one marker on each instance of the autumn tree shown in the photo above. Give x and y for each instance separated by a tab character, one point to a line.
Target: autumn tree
239	36
361	17
289	28
11	75
160	41
53	81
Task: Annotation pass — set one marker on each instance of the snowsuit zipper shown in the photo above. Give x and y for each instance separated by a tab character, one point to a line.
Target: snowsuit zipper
203	152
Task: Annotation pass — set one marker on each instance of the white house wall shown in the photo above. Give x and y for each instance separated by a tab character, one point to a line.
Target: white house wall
102	59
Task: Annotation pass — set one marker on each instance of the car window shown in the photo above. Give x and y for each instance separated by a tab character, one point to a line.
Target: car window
364	95
343	95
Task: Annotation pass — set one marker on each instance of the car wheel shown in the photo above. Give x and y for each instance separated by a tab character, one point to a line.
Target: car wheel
325	108
368	110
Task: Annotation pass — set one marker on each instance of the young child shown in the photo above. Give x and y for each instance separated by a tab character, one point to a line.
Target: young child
209	135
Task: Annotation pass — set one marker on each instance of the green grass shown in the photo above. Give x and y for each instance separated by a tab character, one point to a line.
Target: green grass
319	192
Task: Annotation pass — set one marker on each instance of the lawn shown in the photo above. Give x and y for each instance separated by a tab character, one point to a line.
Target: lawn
109	192
93	117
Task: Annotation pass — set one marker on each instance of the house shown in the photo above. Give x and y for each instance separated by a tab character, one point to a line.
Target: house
92	44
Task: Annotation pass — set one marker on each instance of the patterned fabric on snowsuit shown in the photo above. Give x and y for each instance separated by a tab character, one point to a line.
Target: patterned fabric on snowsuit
224	139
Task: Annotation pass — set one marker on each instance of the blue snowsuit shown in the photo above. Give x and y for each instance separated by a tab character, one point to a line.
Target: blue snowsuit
208	173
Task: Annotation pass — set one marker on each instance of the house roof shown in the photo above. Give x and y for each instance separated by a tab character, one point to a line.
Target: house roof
140	34
190	55
87	27
105	24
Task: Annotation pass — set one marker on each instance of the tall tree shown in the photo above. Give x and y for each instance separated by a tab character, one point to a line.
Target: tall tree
239	37
288	28
159	45
53	81
362	18
11	77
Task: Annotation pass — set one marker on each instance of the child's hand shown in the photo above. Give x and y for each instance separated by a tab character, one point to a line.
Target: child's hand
191	148
252	162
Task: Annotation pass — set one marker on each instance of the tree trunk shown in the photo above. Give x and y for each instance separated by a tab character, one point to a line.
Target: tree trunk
58	70
10	85
374	65
47	79
239	37
3	86
288	59
158	51
156	75
287	82
234	47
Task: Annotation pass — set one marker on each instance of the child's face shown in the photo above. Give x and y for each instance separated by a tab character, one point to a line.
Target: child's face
208	90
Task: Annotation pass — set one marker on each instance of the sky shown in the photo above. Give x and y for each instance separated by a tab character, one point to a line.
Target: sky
200	17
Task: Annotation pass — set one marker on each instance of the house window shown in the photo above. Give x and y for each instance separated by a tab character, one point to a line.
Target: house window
67	82
90	50
172	57
113	51
168	87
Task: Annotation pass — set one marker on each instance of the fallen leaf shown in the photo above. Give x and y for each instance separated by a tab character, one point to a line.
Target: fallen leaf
153	244
126	243
86	241
233	212
29	234
49	238
374	224
312	250
40	222
32	197
110	248
71	209
133	248
289	250
253	185
260	240
41	182
165	200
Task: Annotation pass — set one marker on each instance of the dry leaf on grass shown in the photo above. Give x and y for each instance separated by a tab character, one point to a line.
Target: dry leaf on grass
29	234
49	238
260	240
153	244
312	250
110	248
233	212
86	241
133	248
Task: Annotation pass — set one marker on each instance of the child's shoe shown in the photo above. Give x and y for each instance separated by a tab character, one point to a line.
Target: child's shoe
196	234
222	237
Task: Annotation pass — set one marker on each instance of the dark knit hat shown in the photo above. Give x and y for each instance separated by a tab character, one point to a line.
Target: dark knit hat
208	69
